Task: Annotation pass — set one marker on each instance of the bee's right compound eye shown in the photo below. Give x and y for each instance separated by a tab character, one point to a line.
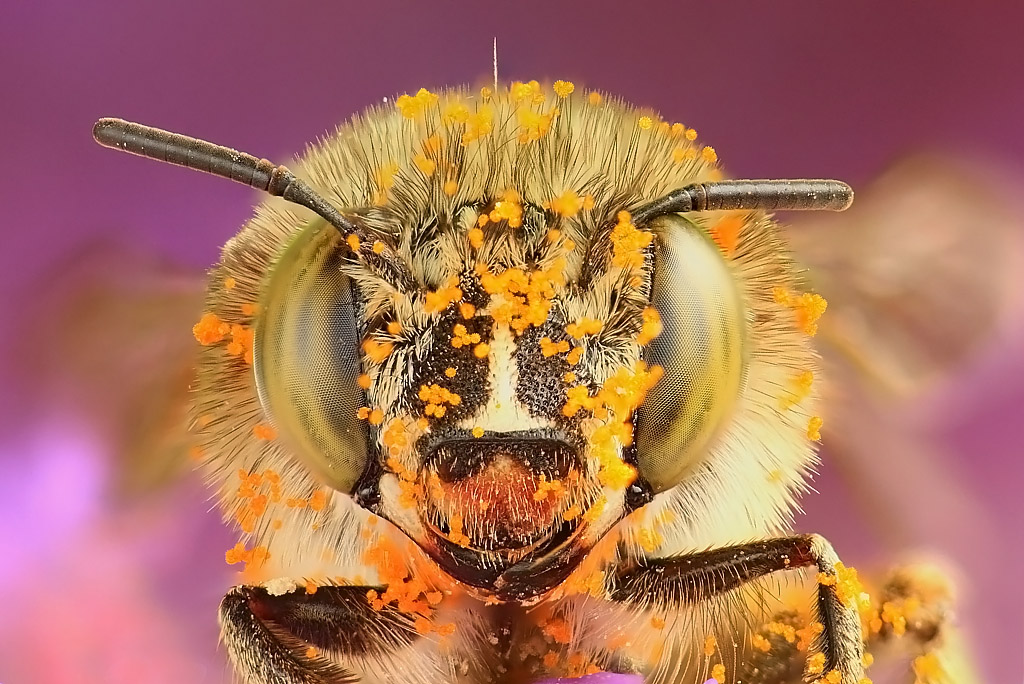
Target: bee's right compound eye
701	350
306	357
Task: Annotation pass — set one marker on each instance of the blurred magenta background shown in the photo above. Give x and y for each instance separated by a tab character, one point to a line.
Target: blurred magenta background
95	587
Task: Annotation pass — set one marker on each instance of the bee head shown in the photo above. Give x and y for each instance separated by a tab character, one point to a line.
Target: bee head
506	331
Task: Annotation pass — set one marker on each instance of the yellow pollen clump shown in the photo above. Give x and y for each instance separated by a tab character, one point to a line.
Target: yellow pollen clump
594	98
709	155
814	428
678	129
485	93
549	348
476	236
645	122
563	88
440	299
455	533
808	308
569	377
318	501
377	247
806	635
651	326
799	389
569	203
432	145
478	431
377	351
927	669
461	336
363	381
718	673
435	396
545	487
710	644
658	622
385	180
395	437
425	165
558	629
311	652
726	234
761	643
584	326
249	309
376	417
628	243
522	299
833	677
816	663
450	187
255	556
481	350
467	310
229	283
311	587
412	106
394	327
455	112
353	241
266	432
241	344
572	512
574	356
534	125
363	412
613	404
650	540
450	372
691	134
526	91
210	329
478	125
508	209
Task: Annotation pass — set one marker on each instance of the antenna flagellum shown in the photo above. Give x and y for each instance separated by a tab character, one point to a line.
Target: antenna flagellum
765	195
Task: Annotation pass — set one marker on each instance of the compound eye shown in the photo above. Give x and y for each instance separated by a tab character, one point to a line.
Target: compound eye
306	357
700	348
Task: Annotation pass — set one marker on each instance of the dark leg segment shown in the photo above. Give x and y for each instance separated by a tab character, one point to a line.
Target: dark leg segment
692	578
286	639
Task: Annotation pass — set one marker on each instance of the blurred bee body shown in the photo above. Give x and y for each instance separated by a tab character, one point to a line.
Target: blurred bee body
572	422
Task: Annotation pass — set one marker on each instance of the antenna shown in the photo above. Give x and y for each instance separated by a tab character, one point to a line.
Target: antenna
225	162
767	195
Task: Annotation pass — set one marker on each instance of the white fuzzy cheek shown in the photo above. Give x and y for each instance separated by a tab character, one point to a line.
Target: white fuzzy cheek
404	517
503	412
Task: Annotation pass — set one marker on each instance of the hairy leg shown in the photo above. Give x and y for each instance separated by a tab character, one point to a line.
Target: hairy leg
690	579
332	636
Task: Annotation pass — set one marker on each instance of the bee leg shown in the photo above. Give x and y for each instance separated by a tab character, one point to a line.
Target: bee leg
299	638
696	577
910	617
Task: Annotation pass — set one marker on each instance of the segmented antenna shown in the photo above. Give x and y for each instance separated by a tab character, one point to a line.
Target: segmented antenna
767	195
200	155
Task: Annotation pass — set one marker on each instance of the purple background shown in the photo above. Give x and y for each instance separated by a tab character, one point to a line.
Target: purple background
780	89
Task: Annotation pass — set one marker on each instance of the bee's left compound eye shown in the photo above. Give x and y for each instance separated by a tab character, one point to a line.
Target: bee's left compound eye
701	350
306	357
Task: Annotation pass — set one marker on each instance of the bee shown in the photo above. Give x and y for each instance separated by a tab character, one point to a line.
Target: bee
508	384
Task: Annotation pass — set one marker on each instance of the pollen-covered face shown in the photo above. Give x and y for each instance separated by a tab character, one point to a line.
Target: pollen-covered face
497	360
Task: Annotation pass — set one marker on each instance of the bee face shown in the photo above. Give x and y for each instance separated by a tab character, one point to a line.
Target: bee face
498	360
